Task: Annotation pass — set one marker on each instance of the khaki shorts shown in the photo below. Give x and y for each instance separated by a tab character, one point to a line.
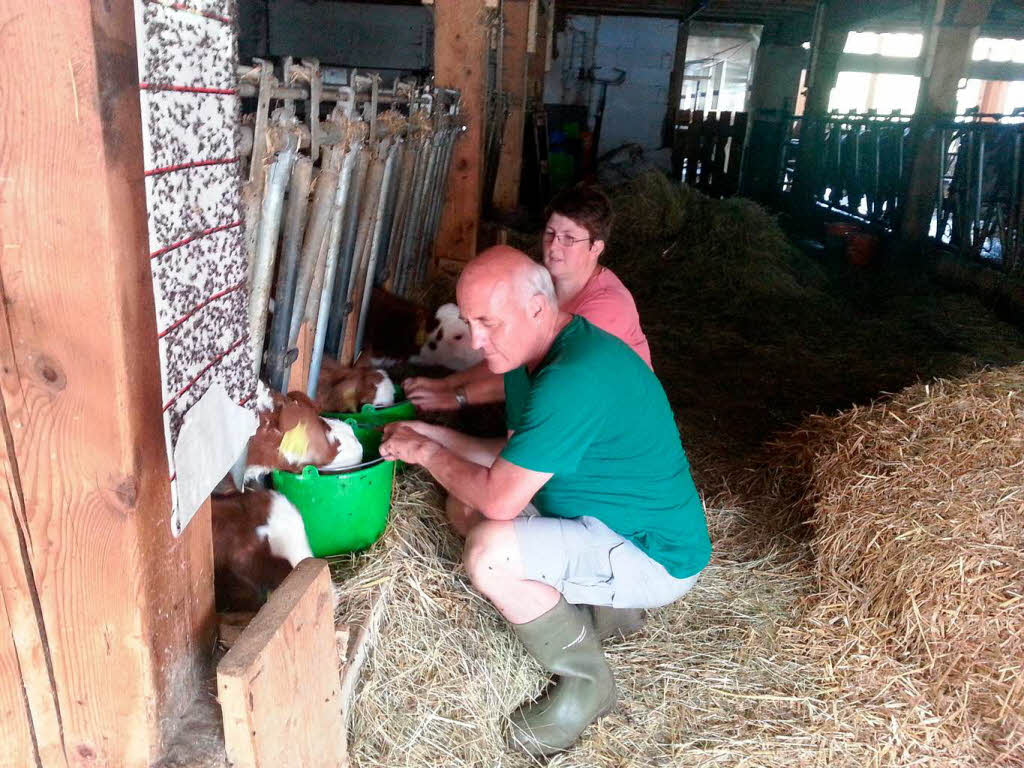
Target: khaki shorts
589	563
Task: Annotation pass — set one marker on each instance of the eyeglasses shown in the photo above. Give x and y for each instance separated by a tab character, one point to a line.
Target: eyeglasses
565	239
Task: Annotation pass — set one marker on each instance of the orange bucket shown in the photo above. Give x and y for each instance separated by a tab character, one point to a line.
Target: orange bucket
861	248
836	234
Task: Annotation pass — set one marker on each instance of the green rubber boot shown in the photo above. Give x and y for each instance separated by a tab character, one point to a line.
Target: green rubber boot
616	623
563	641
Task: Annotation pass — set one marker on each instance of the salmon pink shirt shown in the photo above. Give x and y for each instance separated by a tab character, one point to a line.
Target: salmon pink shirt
609	305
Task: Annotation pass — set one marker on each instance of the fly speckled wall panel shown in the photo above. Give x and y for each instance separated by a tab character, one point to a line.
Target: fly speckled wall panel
190	113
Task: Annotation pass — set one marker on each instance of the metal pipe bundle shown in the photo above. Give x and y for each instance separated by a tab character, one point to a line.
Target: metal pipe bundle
377	169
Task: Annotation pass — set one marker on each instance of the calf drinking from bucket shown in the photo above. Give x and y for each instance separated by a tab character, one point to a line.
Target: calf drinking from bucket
346	390
292	435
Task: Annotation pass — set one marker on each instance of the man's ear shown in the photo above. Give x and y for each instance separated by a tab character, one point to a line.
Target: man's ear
597	248
535	305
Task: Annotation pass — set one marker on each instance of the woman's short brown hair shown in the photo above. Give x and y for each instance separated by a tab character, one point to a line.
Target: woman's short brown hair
586	205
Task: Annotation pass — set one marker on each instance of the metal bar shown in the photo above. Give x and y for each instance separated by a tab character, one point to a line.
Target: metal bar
266	245
350	221
284	292
316	231
327	290
940	219
364	306
409	238
976	227
421	218
367	221
410	155
266	85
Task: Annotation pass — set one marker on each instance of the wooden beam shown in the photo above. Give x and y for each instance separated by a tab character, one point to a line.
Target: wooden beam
279	684
539	54
460	61
947	52
675	84
110	616
827	45
513	82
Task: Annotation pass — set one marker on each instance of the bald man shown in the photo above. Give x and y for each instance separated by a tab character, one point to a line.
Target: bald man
578	505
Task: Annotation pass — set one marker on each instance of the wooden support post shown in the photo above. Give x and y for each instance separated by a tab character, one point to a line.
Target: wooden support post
776	82
828	41
279	684
107	619
513	82
675	85
947	53
460	61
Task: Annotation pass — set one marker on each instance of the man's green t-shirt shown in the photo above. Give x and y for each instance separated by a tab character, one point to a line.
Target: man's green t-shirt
593	414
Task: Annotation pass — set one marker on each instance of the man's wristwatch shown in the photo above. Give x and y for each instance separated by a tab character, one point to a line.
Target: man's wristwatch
460	396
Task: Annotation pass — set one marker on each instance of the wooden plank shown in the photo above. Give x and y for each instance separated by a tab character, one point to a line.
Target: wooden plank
298	376
279	685
460	55
675	83
110	615
721	140
737	140
693	139
709	131
18	747
513	82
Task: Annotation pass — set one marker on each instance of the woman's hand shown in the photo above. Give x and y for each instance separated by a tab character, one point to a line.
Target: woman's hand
430	394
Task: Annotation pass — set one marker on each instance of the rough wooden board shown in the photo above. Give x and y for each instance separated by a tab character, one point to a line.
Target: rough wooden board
279	684
107	614
513	82
460	51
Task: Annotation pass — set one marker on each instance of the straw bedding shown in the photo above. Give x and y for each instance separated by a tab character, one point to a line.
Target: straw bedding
918	520
883	633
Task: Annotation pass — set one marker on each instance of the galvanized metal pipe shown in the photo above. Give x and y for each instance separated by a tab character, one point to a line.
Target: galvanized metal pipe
387	223
266	245
335	326
428	199
284	293
416	214
401	215
334	244
367	219
316	231
364	305
415	203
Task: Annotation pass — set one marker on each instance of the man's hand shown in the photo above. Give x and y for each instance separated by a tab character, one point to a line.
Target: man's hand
403	443
430	394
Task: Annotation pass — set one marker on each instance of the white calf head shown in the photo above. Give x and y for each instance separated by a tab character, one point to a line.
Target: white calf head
449	344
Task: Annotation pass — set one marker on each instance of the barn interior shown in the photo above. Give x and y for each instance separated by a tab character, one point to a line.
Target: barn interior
819	211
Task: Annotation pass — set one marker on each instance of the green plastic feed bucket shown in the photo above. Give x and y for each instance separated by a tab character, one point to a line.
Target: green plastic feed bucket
344	511
402	410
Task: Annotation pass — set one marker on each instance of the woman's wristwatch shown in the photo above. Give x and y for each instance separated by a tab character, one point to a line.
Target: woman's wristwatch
460	396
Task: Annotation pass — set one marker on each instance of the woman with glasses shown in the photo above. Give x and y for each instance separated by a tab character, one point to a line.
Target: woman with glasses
579	222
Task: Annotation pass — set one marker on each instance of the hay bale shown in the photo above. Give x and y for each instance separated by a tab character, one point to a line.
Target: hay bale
918	520
671	242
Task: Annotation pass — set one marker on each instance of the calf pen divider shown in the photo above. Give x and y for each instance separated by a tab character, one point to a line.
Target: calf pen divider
376	169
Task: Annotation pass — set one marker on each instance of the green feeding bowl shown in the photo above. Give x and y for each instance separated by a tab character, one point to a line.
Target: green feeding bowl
342	511
402	410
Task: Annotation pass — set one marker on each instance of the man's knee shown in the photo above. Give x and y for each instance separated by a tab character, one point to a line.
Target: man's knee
461	516
489	552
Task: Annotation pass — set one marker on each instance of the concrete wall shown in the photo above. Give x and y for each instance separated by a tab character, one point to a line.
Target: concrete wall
644	47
